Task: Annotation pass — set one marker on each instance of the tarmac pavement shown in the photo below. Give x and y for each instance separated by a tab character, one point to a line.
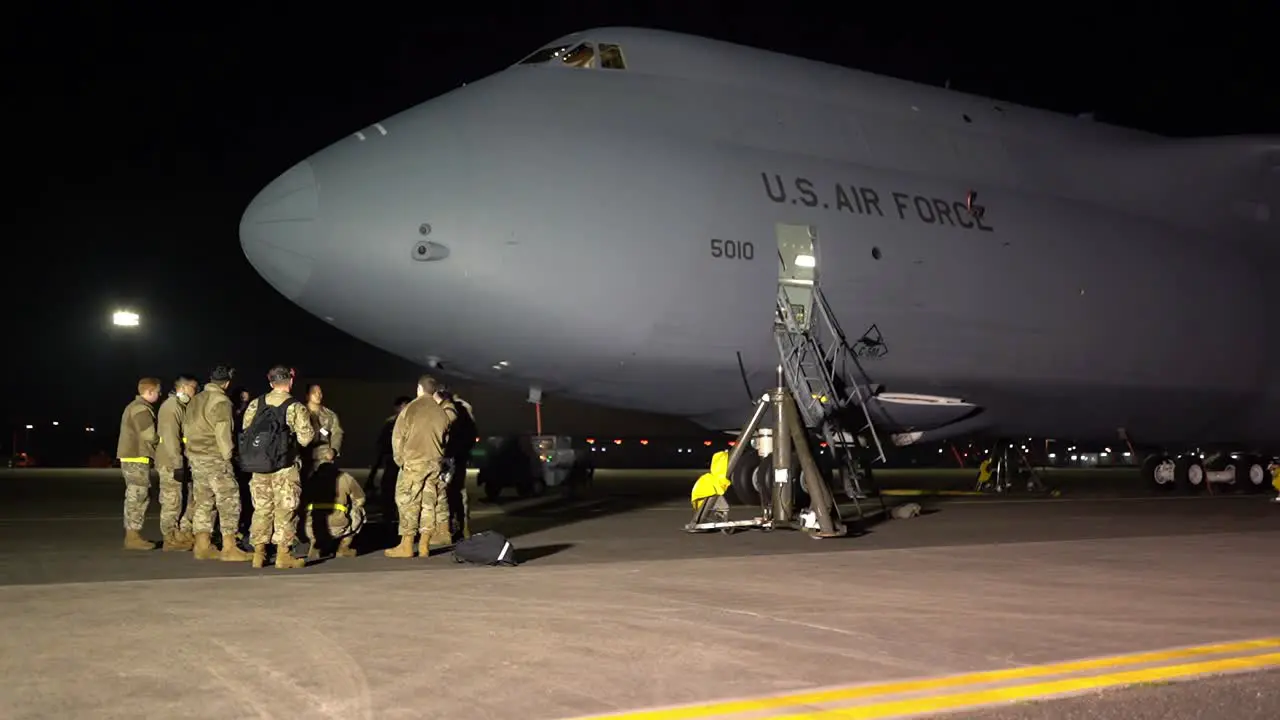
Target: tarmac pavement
967	608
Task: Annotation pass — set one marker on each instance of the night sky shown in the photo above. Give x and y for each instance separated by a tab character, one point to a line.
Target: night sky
137	137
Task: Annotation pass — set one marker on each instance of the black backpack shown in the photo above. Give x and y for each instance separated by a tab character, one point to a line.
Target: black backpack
486	548
267	444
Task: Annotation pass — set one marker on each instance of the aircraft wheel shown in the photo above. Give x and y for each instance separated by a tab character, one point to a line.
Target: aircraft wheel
1251	475
492	491
743	480
762	478
1158	472
524	489
802	498
1189	473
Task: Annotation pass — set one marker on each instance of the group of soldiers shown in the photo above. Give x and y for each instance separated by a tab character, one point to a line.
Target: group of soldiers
200	431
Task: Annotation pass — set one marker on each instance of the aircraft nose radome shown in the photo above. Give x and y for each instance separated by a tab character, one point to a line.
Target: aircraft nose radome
278	231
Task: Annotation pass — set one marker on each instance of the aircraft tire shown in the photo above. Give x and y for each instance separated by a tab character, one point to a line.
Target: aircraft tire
492	491
743	480
801	496
762	481
1251	475
524	488
487	479
1152	475
1189	474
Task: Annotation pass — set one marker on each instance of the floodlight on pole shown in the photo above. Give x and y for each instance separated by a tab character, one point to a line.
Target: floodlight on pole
125	318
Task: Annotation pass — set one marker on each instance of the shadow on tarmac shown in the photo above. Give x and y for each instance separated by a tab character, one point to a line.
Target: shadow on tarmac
551	511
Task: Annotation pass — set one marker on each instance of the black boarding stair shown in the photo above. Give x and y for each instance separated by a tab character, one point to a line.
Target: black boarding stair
816	360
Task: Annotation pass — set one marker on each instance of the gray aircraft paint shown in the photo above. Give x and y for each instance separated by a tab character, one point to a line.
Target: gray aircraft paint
1117	279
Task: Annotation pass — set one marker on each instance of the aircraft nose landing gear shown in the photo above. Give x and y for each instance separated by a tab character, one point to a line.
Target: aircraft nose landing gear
777	496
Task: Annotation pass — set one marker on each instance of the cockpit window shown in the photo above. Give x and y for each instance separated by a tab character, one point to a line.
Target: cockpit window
611	57
544	55
582	56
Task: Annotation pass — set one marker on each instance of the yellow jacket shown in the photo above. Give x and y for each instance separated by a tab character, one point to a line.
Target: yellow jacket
712	483
984	472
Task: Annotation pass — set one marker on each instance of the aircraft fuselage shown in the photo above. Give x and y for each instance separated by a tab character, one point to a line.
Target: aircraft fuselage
612	235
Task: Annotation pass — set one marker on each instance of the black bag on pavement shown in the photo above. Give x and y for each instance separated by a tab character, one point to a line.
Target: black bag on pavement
485	548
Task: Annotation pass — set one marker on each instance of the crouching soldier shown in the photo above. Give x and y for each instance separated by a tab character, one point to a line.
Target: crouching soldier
334	508
1275	480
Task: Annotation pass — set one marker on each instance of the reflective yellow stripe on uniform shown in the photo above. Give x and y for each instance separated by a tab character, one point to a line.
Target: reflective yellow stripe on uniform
137	460
326	506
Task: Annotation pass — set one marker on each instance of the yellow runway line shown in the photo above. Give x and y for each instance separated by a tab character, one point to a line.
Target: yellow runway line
851	693
1036	691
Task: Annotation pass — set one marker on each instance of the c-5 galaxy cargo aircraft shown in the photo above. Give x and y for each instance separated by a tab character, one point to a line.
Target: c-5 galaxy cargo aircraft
656	221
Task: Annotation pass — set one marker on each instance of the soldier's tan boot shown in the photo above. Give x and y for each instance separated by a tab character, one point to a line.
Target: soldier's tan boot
133	540
403	550
285	561
438	538
204	549
259	555
177	542
185	537
231	553
345	549
314	553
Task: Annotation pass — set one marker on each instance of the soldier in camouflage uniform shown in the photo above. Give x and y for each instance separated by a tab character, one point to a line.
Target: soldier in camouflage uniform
417	443
276	495
136	448
175	524
328	441
334	508
208	427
